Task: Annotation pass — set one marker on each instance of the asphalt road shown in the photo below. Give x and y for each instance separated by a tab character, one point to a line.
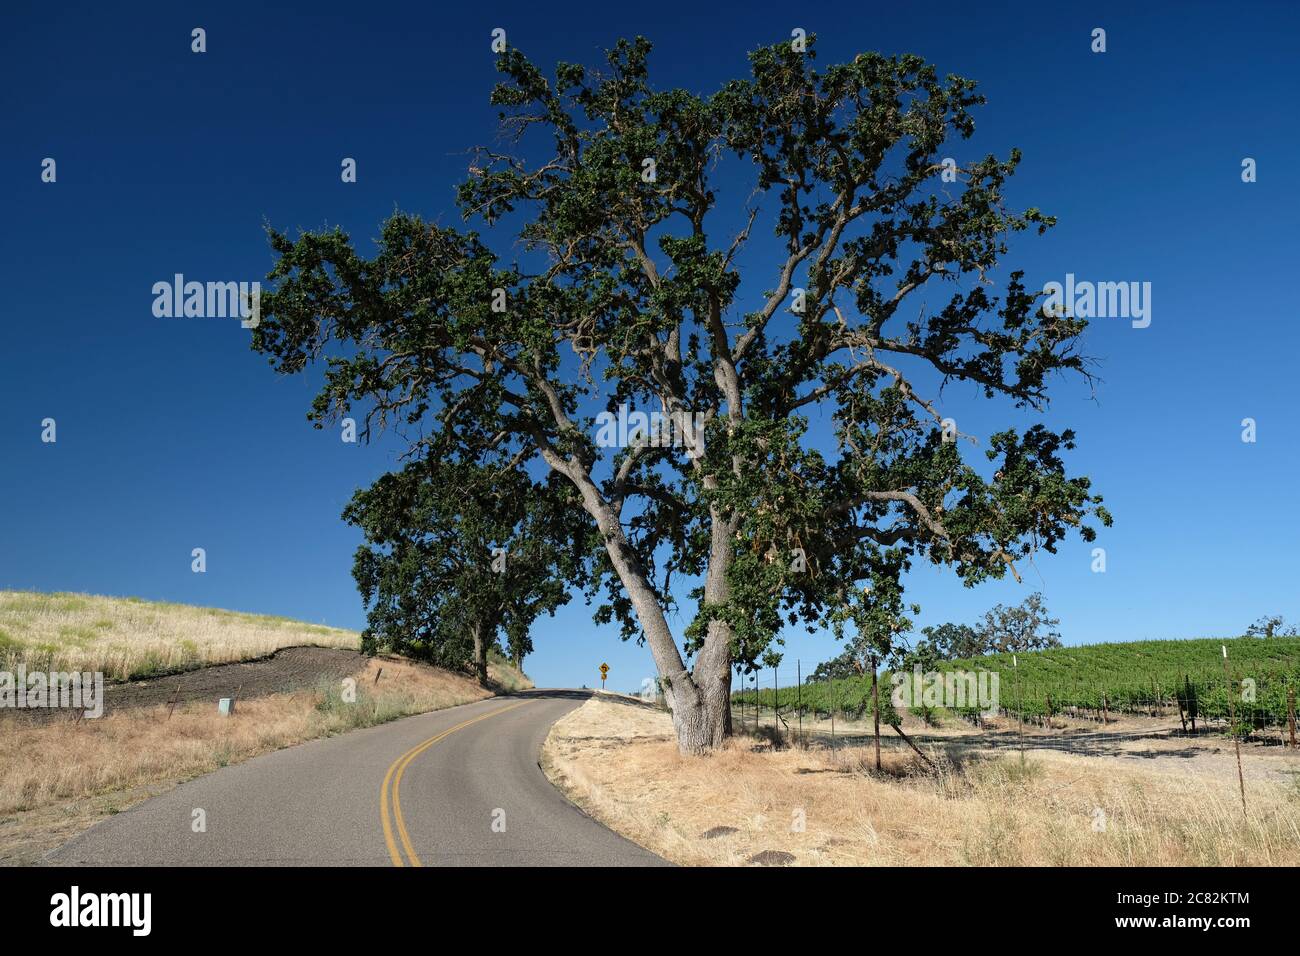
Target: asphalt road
458	787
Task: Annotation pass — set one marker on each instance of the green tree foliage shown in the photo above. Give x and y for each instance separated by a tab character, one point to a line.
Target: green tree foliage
948	642
457	557
871	622
839	667
630	209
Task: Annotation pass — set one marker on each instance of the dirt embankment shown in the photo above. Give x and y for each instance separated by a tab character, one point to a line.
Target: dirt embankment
289	669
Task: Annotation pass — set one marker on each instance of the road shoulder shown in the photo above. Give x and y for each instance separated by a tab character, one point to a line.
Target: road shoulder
752	804
64	776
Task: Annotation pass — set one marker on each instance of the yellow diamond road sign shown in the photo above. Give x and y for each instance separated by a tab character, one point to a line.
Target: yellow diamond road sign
604	669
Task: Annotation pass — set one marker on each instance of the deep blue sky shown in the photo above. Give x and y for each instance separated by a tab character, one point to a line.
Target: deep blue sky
173	435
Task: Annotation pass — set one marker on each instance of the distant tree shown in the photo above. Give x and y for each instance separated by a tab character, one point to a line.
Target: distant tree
923	653
1271	625
837	668
951	642
456	556
1026	627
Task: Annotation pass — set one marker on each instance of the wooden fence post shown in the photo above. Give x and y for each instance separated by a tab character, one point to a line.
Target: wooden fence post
798	679
1290	713
1232	727
875	698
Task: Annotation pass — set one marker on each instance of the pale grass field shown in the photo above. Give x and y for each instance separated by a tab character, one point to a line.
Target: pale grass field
128	637
60	777
620	763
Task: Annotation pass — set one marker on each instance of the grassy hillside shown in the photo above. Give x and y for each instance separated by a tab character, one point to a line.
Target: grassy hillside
129	638
1129	676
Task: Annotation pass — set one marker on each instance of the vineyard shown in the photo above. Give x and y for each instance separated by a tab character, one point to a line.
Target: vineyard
1185	678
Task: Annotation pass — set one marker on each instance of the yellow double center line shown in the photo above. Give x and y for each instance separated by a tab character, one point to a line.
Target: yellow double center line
392	787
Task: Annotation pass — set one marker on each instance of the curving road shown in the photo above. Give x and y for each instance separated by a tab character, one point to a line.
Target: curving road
457	787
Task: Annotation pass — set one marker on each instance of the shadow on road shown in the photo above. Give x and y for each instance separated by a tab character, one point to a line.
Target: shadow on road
568	693
553	693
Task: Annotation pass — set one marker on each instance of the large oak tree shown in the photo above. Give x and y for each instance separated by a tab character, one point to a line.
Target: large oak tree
618	261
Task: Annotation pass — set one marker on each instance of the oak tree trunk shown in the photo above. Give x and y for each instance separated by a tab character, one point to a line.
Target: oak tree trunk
704	721
704	724
480	655
700	699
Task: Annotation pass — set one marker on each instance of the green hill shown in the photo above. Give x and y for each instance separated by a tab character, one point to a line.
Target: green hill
1133	676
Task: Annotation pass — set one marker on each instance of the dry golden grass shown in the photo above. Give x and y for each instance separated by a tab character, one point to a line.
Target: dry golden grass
619	761
128	637
505	675
106	765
